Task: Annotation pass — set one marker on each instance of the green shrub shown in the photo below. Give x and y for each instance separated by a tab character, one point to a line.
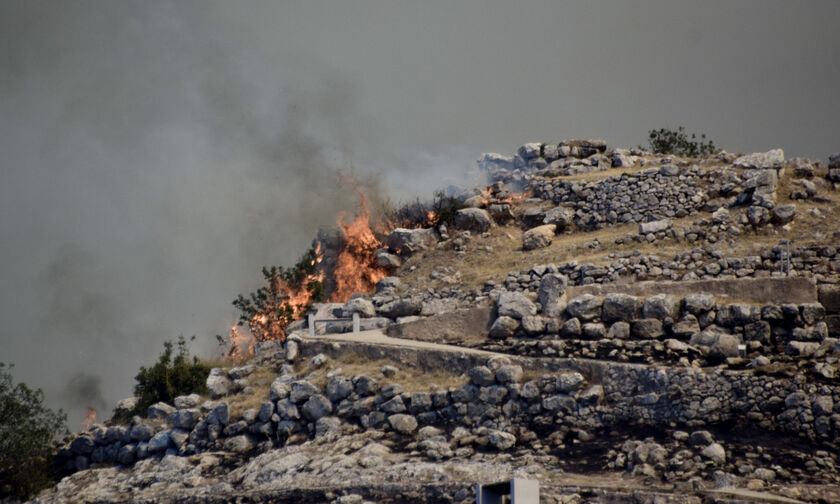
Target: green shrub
170	377
27	432
665	141
444	208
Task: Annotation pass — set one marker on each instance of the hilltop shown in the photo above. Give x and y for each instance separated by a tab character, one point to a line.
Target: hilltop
621	326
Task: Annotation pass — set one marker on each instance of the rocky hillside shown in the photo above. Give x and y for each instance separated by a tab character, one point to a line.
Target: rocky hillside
618	325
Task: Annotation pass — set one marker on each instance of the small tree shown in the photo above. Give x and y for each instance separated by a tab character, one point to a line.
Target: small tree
27	432
269	310
665	141
171	376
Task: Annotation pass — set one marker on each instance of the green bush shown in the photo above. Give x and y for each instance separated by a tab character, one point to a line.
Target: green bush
444	208
27	431
170	377
665	141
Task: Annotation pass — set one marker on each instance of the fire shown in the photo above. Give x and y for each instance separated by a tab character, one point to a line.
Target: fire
356	269
237	341
87	423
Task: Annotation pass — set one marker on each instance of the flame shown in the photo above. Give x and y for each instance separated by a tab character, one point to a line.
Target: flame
431	217
356	269
87	423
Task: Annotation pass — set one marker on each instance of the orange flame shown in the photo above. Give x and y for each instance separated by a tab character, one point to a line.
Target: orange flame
356	269
87	423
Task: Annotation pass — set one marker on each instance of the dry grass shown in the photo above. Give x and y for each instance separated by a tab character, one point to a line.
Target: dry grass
259	381
479	265
354	364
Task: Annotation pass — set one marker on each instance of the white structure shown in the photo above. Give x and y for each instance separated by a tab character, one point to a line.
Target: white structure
515	491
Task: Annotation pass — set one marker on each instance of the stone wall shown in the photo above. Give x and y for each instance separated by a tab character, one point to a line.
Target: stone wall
495	410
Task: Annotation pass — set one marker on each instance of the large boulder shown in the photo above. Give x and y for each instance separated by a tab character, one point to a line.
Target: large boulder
761	160
516	305
699	302
408	241
402	423
538	237
316	407
504	327
561	217
218	384
552	294
661	306
783	214
585	307
364	307
473	219
655	226
401	308
618	306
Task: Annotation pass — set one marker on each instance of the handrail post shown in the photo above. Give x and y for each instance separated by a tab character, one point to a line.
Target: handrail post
312	324
356	322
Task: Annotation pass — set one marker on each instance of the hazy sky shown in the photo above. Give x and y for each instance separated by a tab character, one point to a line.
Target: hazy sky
156	154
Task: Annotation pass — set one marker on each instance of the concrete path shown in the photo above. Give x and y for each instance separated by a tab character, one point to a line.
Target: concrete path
377	337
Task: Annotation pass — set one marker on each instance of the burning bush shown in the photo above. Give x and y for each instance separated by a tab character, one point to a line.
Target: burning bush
288	293
170	377
27	430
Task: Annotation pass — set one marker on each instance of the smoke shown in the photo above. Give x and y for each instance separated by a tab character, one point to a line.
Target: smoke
156	154
161	170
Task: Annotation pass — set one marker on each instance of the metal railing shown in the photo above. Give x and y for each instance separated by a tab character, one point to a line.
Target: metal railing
313	321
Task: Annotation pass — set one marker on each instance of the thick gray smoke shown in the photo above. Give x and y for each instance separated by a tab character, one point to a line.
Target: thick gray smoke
156	154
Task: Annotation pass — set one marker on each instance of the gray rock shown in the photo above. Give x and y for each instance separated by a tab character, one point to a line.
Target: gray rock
594	331
761	160
724	347
402	423
551	294
556	403
302	390
160	442
501	440
533	325
328	425
802	348
386	259
569	383
655	226
701	438
187	401
503	327
661	306
571	328
401	308
647	328
287	410
279	390
473	219
218	384
618	306
127	454
538	237
409	241
699	303
316	407
219	415
619	330
364	307
515	304
365	385
184	418
242	443
481	376
715	453
561	217
509	374
394	405
758	215
737	314
159	411
783	214
338	388
242	371
585	307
